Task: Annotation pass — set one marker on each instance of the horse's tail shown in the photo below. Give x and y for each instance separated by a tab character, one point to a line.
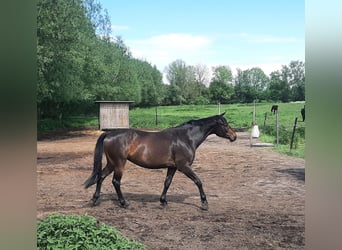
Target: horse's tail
97	170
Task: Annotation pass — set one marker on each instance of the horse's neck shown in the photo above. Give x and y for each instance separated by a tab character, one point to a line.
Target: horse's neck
198	134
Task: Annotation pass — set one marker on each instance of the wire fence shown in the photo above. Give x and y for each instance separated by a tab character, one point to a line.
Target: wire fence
285	134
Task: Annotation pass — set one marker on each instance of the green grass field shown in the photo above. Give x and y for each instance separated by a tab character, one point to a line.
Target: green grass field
238	116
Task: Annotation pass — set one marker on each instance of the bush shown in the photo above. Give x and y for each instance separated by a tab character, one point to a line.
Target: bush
201	100
59	231
301	132
270	130
284	134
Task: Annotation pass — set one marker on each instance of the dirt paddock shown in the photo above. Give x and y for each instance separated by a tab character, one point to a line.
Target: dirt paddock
256	196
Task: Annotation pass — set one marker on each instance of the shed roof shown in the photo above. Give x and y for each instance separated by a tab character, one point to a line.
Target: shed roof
114	101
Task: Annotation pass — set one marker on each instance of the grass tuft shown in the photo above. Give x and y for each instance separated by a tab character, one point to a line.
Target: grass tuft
58	231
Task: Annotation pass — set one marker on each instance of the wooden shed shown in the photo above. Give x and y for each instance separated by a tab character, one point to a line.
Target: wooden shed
113	114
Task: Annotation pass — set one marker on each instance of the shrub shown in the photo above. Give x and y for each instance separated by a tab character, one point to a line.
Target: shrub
301	132
59	231
201	100
284	134
270	130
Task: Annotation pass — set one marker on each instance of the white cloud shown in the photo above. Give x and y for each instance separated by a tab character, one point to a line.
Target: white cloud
116	28
273	39
177	41
163	49
262	38
275	58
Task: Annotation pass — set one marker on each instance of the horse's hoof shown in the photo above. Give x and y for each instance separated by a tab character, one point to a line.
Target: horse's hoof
163	204
94	202
124	204
205	206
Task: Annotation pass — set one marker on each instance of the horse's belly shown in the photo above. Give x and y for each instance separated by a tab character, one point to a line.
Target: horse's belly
152	166
151	159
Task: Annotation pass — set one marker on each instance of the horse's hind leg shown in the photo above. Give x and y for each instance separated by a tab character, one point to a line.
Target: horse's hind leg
105	172
170	173
118	172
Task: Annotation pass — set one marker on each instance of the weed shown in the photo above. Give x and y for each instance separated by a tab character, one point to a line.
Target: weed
59	231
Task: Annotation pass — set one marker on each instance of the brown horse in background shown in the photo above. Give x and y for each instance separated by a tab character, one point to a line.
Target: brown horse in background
302	112
274	109
172	148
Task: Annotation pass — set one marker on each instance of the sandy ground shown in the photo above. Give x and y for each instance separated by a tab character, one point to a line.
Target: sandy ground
256	196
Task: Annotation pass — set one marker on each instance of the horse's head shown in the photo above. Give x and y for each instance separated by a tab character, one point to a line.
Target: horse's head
222	128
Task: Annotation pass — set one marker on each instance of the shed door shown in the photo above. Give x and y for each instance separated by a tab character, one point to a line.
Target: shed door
114	115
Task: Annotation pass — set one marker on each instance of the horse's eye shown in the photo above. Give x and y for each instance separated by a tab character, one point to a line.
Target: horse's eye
221	122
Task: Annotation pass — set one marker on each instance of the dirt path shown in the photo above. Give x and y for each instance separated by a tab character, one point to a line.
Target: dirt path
256	196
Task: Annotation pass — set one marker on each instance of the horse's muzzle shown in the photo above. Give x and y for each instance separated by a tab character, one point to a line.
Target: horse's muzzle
231	135
232	138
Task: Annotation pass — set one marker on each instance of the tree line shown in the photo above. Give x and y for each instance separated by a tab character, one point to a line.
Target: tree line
79	61
188	84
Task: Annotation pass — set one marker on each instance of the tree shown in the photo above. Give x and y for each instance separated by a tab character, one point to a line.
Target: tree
258	81
129	87
78	62
61	30
159	86
201	81
288	84
296	80
240	89
99	19
150	80
279	89
250	85
221	87
201	73
177	75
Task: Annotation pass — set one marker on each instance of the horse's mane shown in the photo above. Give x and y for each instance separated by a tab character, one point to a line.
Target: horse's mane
198	122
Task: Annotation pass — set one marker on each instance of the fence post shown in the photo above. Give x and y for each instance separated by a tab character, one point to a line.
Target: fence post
156	116
277	127
293	133
254	113
265	121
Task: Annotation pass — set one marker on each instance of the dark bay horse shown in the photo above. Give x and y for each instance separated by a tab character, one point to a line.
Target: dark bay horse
274	109
302	111
172	148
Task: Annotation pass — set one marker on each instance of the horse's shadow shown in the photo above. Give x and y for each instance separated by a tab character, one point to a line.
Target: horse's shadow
149	198
298	173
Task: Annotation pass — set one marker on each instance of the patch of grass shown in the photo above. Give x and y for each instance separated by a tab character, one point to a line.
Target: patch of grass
59	231
47	125
297	152
170	116
298	149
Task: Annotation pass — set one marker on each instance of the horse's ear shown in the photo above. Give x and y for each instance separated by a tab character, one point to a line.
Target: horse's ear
223	114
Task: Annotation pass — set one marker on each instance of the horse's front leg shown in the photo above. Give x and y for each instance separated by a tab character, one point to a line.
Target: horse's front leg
169	176
189	173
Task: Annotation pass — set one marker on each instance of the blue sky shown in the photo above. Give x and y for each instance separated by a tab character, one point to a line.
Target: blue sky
241	34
